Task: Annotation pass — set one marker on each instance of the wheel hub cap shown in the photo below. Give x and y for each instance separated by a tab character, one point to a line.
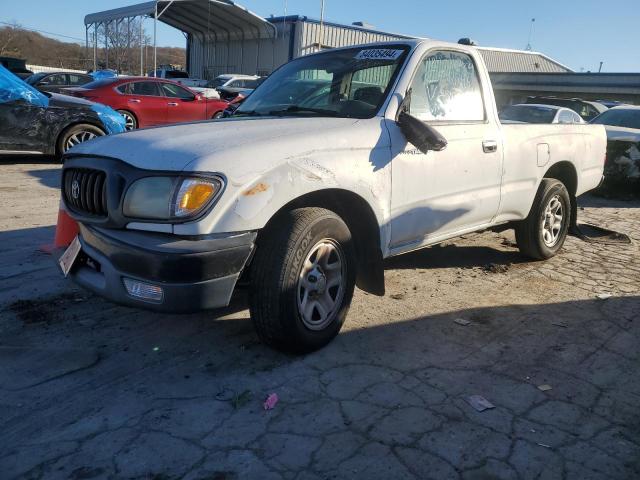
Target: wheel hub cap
321	285
552	222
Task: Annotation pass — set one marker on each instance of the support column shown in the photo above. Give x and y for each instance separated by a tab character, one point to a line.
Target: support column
95	47
155	41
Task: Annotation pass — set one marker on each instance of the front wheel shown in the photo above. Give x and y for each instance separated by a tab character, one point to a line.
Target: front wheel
302	280
544	231
76	135
218	115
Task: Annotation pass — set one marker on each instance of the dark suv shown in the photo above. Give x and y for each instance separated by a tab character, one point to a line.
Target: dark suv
55	82
17	66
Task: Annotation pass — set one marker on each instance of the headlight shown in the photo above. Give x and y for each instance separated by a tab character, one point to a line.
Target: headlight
166	198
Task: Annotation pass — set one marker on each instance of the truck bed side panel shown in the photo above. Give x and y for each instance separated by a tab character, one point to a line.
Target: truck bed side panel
531	150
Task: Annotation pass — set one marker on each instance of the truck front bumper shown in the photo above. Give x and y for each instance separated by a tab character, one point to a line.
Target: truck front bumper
162	272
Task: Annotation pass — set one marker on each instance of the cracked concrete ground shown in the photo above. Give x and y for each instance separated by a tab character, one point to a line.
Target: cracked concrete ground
93	390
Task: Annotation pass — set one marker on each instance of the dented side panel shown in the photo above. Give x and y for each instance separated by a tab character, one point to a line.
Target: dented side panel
354	159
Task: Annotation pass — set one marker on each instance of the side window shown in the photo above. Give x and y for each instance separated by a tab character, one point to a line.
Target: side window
446	88
56	79
576	118
125	88
149	89
75	79
565	117
174	91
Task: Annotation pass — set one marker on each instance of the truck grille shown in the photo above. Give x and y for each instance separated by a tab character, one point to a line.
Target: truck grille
85	191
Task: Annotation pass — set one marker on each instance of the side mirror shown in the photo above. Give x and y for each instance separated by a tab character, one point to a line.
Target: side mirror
424	137
421	135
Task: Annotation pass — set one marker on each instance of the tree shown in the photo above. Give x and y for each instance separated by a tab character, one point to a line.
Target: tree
7	36
123	39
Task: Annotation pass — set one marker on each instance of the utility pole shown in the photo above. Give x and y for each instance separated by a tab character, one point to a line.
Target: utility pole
321	23
141	46
155	41
600	69
528	47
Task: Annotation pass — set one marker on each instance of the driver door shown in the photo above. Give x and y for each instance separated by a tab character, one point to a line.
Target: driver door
437	194
182	105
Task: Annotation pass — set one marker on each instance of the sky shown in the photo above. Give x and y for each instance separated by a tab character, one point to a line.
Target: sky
577	33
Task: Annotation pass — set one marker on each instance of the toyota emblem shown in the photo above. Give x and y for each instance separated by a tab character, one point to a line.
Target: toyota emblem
75	189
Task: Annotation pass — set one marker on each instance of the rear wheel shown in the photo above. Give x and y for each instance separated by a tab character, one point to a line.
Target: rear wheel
218	115
544	231
302	280
130	121
76	135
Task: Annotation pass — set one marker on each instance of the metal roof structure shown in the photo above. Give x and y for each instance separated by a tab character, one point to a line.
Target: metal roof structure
219	17
216	18
503	60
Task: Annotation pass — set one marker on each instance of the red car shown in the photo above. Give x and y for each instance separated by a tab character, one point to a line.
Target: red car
147	102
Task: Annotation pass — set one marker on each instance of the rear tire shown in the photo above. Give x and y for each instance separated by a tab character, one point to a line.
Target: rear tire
218	115
542	234
131	122
76	135
302	280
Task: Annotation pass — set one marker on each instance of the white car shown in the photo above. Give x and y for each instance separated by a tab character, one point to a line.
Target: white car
338	160
178	76
538	113
233	80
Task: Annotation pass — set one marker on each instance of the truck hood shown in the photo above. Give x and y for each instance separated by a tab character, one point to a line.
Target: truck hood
234	147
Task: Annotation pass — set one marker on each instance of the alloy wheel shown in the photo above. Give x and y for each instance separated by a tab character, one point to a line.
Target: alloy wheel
78	137
552	222
321	284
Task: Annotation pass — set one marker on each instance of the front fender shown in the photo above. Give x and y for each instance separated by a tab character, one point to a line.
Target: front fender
249	205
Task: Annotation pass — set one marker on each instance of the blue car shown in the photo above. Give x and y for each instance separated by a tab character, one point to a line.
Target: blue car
36	123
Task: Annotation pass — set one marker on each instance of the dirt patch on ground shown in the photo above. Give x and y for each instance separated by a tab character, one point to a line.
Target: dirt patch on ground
44	310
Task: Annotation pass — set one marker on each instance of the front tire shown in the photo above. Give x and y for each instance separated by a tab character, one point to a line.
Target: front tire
217	115
302	280
76	135
542	234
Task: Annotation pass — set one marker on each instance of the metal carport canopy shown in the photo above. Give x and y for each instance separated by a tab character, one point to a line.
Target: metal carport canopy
195	16
219	18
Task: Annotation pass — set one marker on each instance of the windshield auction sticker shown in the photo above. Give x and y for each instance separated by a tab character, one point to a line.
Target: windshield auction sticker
378	54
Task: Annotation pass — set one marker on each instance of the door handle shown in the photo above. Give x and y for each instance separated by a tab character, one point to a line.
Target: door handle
489	146
134	100
172	104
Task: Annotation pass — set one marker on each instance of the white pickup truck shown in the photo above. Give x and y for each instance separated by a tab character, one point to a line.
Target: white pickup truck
337	161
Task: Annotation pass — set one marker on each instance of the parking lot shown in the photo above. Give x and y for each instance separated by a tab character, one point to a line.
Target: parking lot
92	390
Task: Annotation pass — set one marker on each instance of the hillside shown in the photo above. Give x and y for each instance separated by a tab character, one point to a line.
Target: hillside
37	49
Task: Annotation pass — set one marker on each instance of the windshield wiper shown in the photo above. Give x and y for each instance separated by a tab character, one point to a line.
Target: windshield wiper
249	113
300	109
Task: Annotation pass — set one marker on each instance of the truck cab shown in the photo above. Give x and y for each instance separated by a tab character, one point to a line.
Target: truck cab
338	160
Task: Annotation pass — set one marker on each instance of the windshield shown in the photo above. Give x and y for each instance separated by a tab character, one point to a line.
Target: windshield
99	83
528	114
35	78
217	82
350	83
627	118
